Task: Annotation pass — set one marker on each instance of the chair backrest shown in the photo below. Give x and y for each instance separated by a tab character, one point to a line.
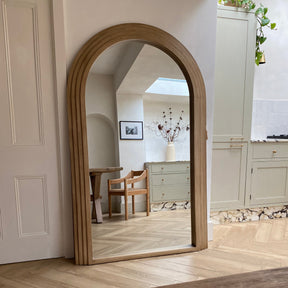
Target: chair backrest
141	175
137	173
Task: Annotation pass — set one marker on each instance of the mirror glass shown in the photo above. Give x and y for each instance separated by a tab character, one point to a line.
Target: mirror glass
137	107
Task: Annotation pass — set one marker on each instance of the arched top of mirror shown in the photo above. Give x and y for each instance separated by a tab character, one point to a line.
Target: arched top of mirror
145	34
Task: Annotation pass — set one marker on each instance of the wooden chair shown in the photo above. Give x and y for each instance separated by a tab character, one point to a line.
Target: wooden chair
129	180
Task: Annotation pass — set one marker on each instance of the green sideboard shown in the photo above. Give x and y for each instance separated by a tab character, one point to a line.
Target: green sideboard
169	181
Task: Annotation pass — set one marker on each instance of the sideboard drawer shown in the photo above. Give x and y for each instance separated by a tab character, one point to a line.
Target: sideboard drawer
173	193
171	179
170	167
270	150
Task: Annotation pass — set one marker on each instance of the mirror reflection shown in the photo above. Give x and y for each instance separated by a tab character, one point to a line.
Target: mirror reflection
137	106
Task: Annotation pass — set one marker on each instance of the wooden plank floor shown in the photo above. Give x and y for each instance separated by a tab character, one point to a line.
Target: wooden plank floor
237	248
115	236
272	278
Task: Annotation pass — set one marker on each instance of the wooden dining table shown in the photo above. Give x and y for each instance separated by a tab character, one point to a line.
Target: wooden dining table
95	177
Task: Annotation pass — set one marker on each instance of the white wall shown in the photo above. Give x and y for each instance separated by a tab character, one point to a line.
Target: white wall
100	96
155	146
101	150
100	136
131	152
101	100
270	105
102	128
270	117
192	22
271	78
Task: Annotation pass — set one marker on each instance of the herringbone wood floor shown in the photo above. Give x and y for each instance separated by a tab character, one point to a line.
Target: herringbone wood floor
165	229
237	248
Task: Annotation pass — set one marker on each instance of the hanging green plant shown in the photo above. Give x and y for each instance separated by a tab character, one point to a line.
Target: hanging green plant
262	21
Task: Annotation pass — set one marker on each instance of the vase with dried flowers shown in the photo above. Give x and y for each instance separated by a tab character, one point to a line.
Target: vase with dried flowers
169	129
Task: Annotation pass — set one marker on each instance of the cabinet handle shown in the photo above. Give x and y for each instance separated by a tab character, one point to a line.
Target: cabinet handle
188	178
236	146
162	180
274	151
162	168
163	194
237	138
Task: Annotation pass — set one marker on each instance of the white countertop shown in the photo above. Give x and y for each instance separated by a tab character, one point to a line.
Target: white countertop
268	140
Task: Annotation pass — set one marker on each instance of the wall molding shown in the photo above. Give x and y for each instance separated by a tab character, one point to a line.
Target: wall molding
43	179
33	7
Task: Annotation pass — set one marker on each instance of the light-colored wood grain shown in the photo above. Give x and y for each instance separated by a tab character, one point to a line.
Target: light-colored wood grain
273	278
78	131
237	248
159	231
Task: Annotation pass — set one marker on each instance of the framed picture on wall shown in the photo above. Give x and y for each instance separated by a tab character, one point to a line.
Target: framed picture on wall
131	130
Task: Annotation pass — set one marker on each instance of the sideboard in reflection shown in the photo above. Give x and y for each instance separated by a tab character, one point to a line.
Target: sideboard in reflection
169	181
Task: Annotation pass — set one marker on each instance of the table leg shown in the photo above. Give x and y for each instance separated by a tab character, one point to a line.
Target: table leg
92	197
98	210
97	198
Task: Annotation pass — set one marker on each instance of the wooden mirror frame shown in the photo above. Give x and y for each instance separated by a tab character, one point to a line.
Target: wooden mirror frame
76	87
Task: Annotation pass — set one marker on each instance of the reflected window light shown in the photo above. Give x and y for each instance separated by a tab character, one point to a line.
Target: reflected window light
168	86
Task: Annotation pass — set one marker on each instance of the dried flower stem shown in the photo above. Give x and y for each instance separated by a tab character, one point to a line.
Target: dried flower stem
167	129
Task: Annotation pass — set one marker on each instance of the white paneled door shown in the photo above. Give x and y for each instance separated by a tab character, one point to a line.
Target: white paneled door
30	210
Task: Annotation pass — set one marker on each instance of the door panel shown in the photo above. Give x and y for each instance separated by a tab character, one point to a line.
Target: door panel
269	182
22	52
234	73
228	175
30	212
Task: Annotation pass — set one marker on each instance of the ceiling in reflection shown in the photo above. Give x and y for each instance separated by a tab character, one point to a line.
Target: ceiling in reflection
137	67
110	59
169	86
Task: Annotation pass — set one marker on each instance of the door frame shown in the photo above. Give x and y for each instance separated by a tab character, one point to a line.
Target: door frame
60	78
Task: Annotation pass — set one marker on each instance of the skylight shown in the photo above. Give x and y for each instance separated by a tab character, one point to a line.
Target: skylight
168	86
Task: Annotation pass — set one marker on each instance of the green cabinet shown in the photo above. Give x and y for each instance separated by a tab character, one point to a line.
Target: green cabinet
267	182
232	106
169	181
228	177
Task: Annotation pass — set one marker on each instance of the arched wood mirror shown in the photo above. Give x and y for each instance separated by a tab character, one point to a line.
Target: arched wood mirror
149	37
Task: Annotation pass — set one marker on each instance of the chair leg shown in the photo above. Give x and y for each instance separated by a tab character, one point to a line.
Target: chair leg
147	203
133	204
110	205
126	207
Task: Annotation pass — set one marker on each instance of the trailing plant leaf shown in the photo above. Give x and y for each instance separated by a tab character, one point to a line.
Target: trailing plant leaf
259	11
262	40
265	21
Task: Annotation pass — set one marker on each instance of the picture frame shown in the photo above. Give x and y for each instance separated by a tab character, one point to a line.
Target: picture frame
131	130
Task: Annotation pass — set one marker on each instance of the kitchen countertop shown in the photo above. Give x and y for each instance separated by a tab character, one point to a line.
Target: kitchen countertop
270	140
